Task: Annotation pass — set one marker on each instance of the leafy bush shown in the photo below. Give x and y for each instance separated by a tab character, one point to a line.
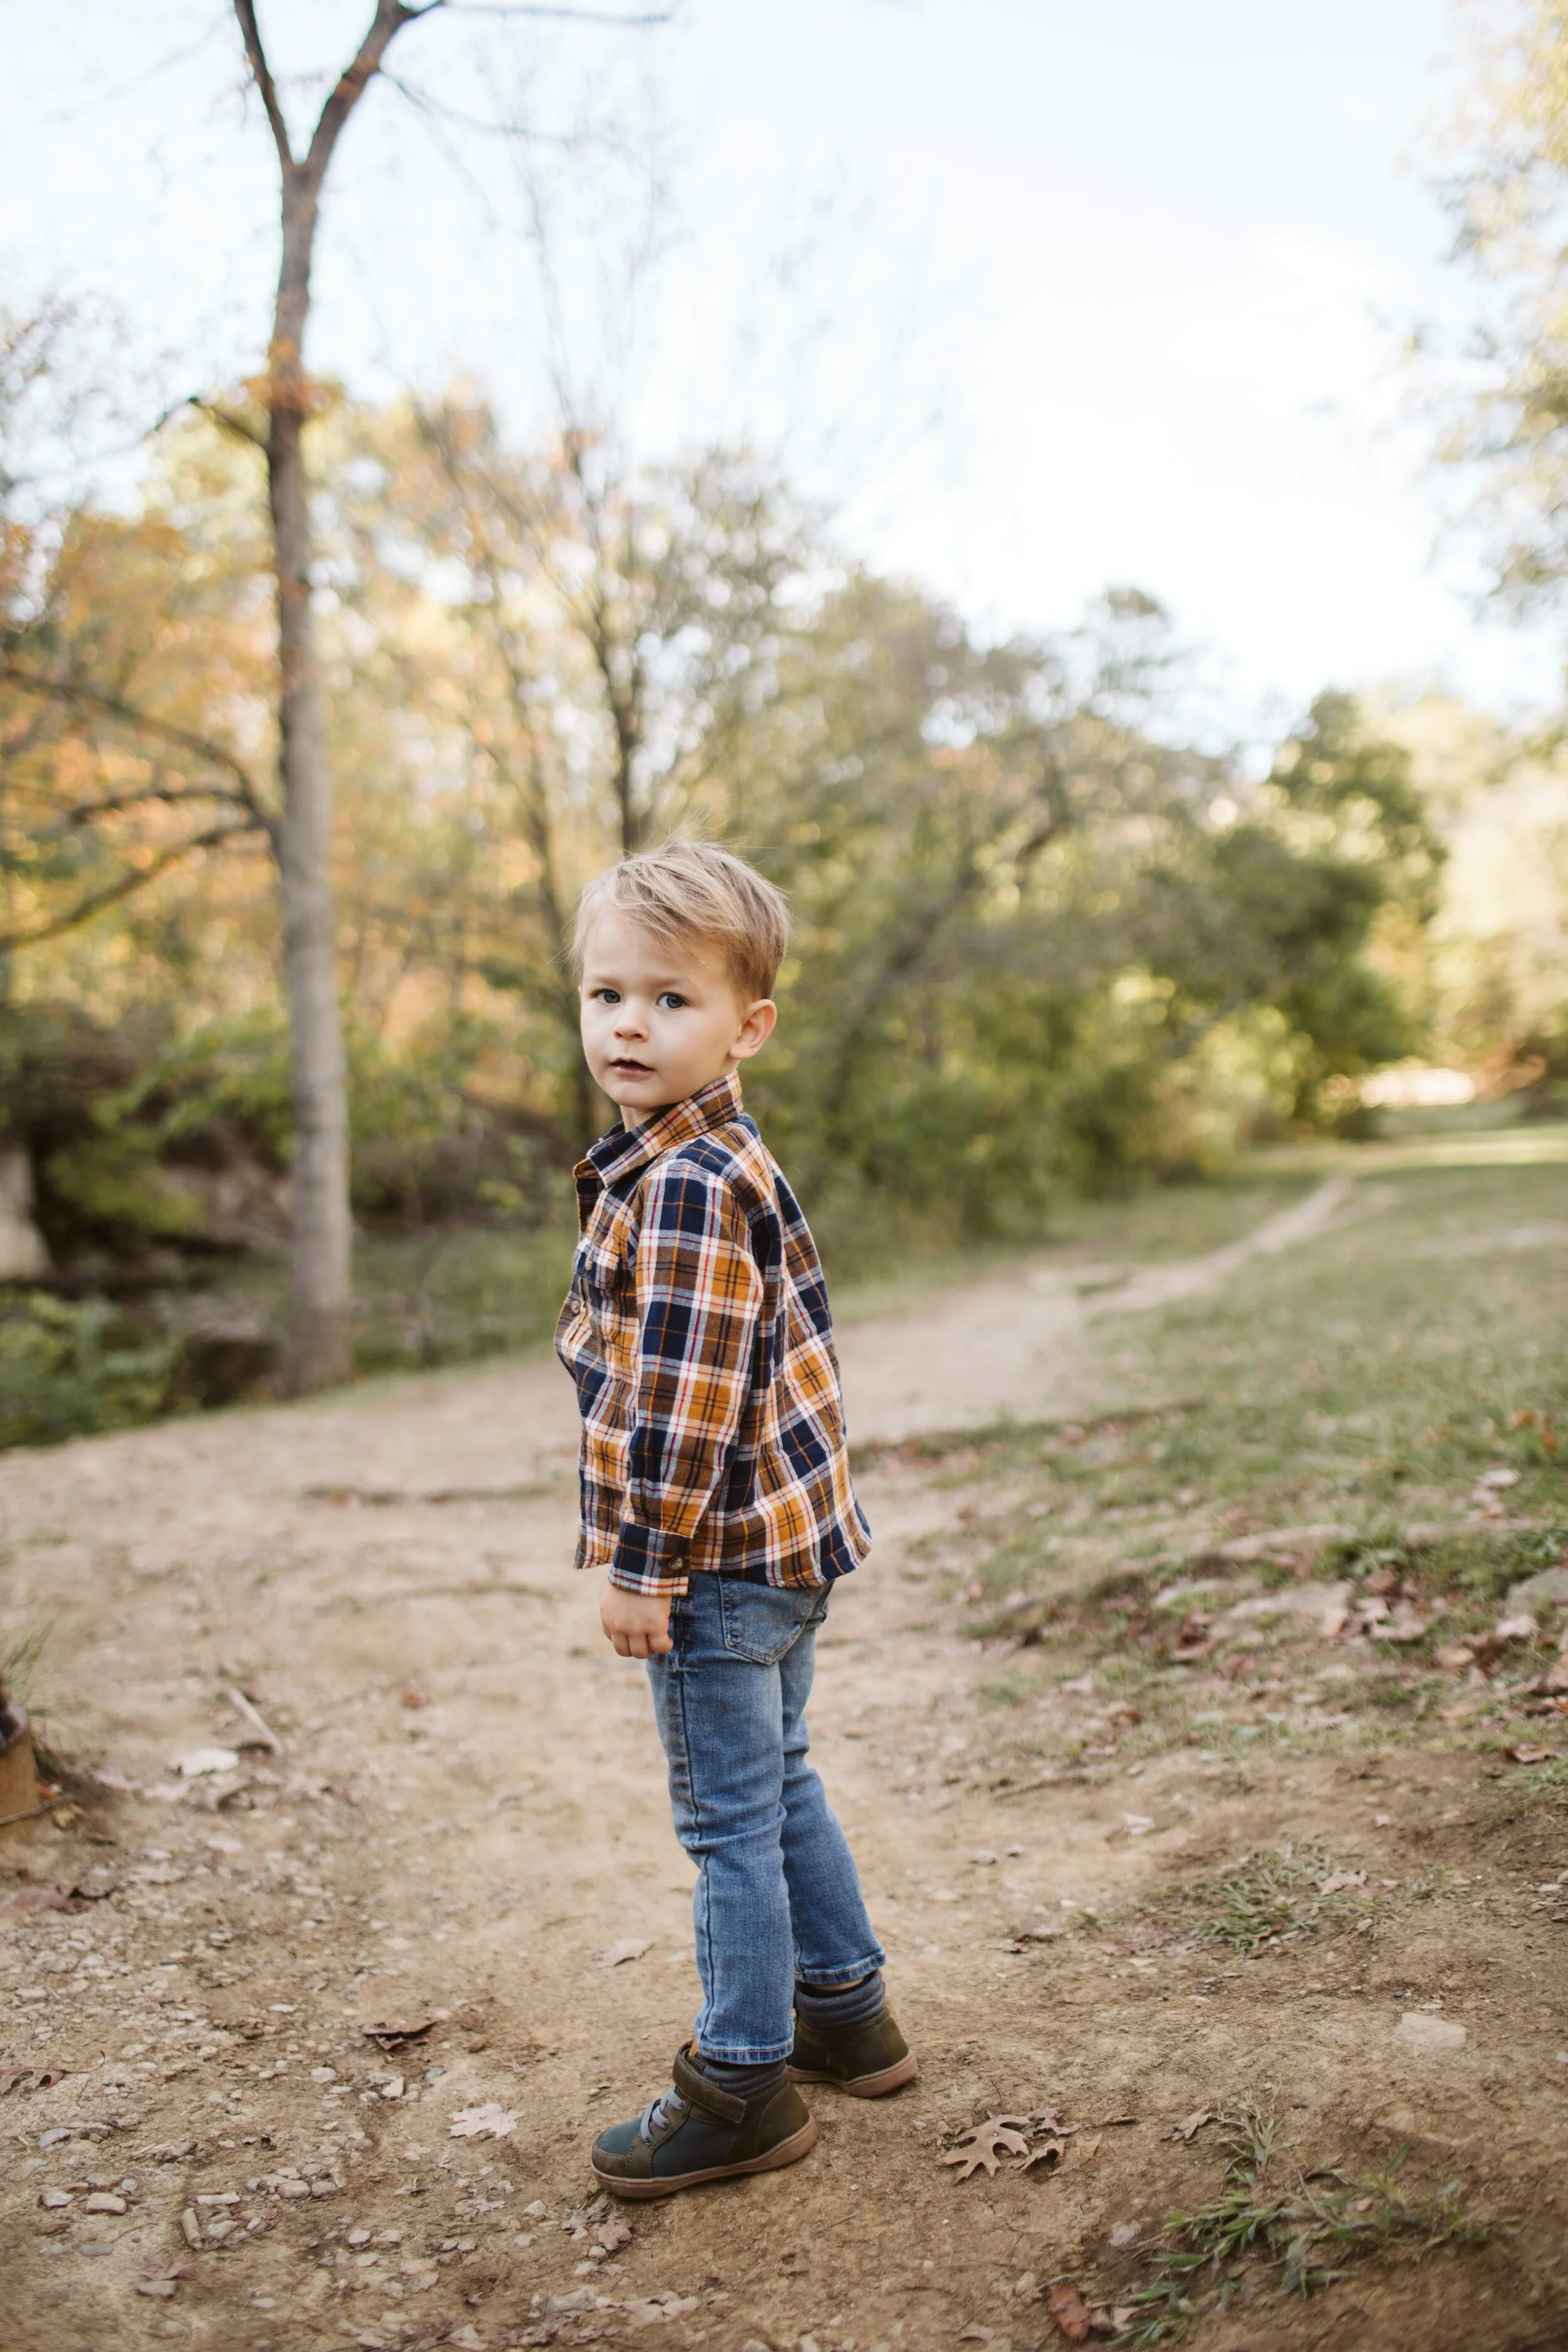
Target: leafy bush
66	1369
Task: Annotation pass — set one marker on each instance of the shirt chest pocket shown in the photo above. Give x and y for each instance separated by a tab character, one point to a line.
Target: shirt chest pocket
604	1273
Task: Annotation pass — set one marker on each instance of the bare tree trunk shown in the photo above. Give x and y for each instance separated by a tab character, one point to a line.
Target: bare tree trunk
320	1342
319	1348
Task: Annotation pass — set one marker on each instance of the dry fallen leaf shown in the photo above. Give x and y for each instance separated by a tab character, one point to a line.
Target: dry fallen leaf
1406	1624
1070	2311
1046	2124
490	2121
1049	2153
1137	1824
1533	1755
1195	1639
986	2145
29	2078
1191	2123
1338	1881
389	2035
630	1947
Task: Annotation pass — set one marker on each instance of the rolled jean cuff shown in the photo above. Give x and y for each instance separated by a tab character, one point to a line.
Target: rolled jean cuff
754	2055
850	1972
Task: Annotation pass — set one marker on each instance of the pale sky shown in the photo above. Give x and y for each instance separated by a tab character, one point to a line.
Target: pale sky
1083	294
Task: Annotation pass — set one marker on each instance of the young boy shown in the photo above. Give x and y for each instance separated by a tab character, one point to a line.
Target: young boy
716	1500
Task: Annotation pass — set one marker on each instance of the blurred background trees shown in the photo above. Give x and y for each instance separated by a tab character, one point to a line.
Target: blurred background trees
1051	931
1042	938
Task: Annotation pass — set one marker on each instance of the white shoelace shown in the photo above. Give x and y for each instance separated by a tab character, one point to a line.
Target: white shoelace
668	2107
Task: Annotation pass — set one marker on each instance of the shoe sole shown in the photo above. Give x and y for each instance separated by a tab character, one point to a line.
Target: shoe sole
865	2086
788	2151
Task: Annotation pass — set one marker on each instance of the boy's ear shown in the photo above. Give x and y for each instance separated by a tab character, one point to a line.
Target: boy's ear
756	1029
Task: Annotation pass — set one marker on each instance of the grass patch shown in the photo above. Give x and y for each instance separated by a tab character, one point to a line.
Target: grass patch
1301	2231
1383	1408
1267	1898
447	1297
20	1656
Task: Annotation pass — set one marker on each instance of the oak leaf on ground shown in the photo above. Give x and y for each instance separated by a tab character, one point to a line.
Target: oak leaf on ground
986	2145
1070	2313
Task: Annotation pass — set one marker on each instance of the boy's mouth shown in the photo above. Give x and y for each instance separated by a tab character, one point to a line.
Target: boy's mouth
625	1068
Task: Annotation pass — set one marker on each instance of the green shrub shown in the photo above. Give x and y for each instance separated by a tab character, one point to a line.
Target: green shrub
66	1369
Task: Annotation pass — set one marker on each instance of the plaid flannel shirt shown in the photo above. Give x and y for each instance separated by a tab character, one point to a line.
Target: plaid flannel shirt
697	1332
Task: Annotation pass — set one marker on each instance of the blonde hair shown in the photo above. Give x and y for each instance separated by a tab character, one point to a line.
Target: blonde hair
692	890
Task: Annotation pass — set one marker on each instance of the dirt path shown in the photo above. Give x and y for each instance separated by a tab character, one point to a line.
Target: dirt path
1017	1345
467	1816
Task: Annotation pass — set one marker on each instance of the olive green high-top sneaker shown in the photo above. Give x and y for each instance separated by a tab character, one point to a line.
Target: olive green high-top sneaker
867	2060
698	2132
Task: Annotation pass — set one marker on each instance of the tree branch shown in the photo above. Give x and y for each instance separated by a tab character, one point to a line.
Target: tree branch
223	419
261	75
162	730
138	879
388	21
565	16
73	820
440	111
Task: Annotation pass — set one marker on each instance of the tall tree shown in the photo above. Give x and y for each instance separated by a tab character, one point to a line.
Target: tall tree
319	1348
1507	408
320	1343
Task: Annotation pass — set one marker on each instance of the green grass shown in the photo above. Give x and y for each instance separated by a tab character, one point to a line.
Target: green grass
1266	1897
449	1296
20	1656
1360	1383
457	1295
1299	2230
1332	1384
891	1269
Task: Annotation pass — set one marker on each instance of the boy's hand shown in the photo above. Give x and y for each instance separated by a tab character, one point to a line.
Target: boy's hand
636	1624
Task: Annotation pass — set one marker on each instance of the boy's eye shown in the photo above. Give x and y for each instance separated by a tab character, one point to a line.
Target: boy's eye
608	995
670	1002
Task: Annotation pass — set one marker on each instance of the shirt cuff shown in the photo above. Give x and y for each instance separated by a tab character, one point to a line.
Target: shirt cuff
648	1559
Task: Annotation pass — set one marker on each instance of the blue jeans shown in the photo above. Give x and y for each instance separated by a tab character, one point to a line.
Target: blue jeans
777	1898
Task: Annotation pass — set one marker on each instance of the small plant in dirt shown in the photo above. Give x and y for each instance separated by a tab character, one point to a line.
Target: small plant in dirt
1299	2230
20	1656
1274	1897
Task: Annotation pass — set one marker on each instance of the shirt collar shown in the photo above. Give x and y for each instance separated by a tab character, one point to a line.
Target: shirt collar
625	1151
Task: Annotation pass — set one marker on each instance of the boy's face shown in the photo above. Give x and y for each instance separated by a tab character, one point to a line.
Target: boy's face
661	1018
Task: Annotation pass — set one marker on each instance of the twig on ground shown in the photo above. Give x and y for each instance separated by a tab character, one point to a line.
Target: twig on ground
264	1734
